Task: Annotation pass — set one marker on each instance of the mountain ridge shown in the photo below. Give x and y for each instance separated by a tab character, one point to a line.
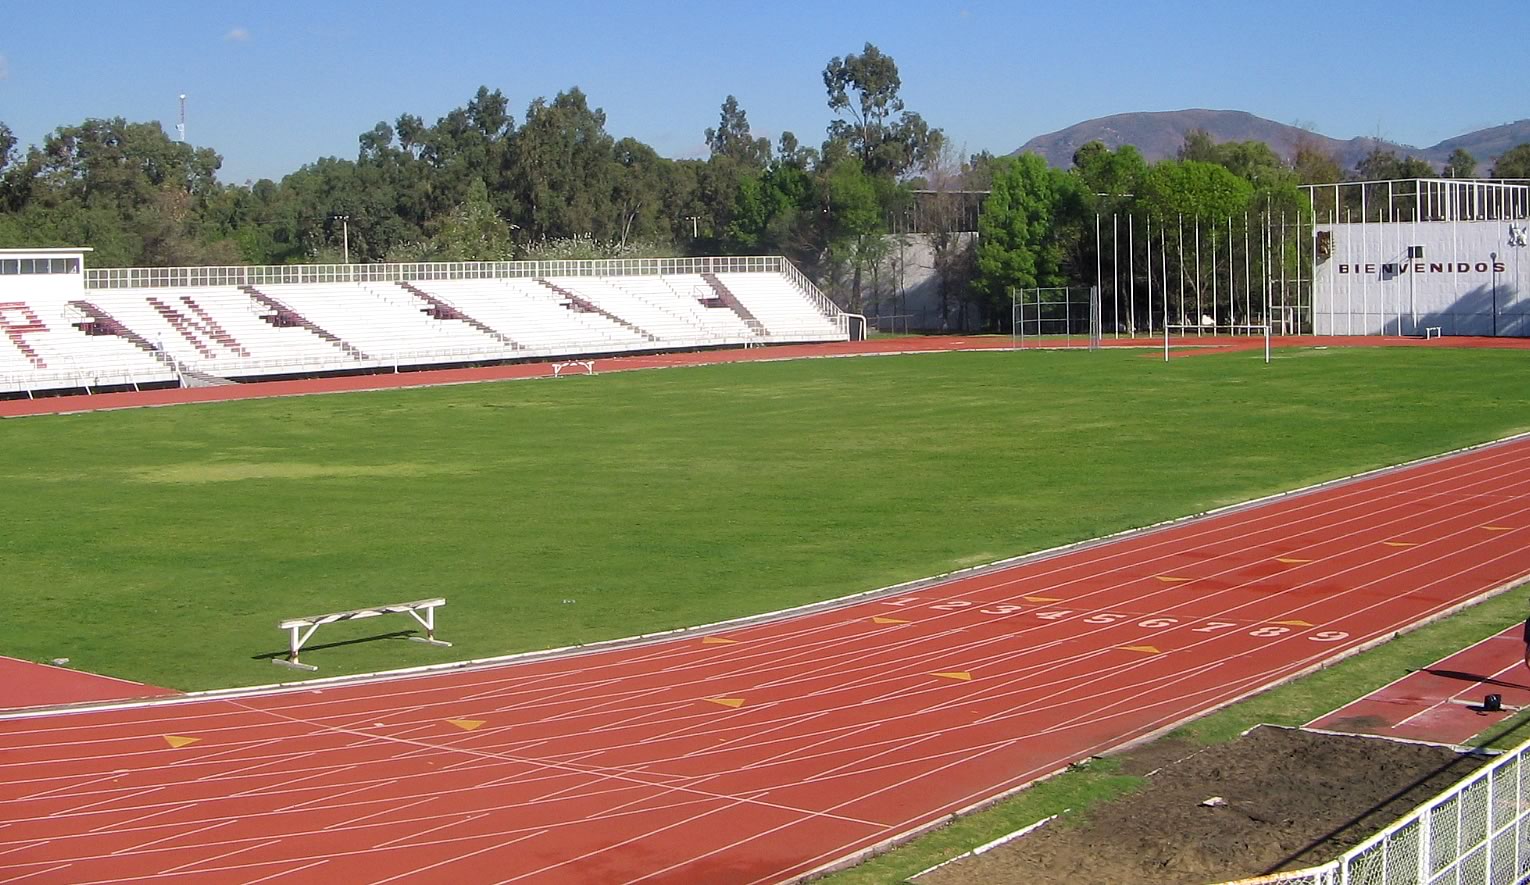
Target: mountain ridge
1159	135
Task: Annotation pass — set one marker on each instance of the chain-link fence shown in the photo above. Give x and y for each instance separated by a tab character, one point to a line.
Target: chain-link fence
1475	833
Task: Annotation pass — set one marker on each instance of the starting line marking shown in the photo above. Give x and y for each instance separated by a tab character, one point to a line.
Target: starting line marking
959	675
717	640
466	724
881	620
1401	543
1145	649
1170	579
177	741
732	703
1291	560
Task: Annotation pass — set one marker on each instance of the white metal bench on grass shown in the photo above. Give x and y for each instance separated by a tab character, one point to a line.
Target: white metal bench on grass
303	628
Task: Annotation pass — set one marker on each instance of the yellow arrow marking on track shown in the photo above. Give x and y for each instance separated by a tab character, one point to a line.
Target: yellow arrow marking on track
466	724
1041	599
717	640
959	675
177	741
733	703
1401	543
1145	649
1292	623
1170	579
1291	560
881	620
1496	528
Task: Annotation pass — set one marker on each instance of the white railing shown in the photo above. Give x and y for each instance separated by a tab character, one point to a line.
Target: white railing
270	275
1475	833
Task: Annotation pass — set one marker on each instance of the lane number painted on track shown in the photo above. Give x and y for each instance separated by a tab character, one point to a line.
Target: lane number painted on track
1265	631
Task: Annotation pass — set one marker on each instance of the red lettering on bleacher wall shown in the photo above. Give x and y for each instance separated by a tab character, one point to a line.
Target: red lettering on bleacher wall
17	321
211	332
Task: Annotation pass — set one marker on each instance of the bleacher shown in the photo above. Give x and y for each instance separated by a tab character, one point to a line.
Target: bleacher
45	346
153	326
784	311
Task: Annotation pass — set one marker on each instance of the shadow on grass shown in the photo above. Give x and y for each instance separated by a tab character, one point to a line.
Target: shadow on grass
396	634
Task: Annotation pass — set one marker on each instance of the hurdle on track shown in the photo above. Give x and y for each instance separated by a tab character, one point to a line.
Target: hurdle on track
303	628
559	368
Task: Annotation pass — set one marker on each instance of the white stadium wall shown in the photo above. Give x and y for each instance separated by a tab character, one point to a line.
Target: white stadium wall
1400	279
1407	257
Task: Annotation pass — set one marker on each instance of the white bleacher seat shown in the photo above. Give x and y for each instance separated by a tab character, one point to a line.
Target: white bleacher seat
387	323
231	331
780	307
535	317
64	356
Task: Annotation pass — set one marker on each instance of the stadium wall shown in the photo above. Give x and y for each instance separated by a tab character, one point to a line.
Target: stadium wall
1465	277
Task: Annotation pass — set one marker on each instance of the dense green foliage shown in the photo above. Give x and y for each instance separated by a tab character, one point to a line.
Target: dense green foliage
163	544
478	184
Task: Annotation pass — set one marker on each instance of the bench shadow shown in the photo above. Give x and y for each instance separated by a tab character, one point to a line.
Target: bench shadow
1471	677
396	634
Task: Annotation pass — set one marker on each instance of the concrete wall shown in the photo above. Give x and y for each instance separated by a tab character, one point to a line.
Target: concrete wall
1469	276
909	287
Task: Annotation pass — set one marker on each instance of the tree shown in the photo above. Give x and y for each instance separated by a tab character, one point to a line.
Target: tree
855	223
1193	189
1461	164
472	231
1199	147
1515	163
864	90
1113	177
733	140
1384	165
7	146
1313	165
562	173
1020	242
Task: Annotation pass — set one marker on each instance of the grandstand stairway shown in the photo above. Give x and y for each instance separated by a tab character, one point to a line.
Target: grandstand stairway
584	305
99	322
726	296
442	309
208	326
285	316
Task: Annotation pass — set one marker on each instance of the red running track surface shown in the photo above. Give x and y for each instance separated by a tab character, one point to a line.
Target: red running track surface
25	684
763	751
1189	346
1443	702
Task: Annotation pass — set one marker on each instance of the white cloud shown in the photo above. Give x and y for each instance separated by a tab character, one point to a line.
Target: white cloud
237	35
5	68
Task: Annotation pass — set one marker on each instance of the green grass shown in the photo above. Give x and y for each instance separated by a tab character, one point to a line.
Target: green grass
1293	704
163	544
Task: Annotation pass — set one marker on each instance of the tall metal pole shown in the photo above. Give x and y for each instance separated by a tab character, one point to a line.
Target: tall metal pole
1181	243
1199	315
1099	266
1115	271
1131	273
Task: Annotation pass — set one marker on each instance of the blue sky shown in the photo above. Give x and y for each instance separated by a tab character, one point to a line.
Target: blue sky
277	84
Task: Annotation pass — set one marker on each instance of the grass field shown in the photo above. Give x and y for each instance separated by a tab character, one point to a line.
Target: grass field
163	544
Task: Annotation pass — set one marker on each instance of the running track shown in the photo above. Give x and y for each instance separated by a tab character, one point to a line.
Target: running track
17	408
764	751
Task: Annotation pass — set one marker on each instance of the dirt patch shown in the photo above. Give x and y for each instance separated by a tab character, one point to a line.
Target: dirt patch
1293	799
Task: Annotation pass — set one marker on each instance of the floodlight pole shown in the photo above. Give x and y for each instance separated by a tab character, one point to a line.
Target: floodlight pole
345	235
1493	257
